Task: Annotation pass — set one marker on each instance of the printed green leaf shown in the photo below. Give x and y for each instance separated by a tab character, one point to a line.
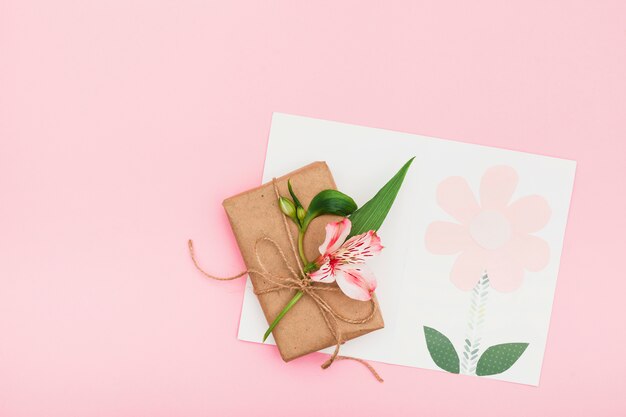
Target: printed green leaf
372	214
441	350
498	358
329	202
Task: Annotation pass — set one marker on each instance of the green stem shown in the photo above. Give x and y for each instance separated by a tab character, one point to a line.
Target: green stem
299	294
284	311
301	247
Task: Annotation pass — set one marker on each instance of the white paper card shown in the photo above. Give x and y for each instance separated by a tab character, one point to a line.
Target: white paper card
443	232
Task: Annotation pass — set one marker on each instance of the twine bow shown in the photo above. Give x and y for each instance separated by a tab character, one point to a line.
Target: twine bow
298	280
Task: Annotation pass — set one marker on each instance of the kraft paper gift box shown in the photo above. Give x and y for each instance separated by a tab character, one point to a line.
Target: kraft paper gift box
255	214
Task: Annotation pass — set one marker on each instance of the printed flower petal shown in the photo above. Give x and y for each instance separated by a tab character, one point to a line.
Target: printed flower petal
336	234
497	187
468	269
531	252
358	248
445	238
356	281
456	198
505	275
324	274
529	214
493	237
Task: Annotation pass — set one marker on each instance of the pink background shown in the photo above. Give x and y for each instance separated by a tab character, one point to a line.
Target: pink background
123	125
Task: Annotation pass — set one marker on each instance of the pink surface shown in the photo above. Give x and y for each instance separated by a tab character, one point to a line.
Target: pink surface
123	125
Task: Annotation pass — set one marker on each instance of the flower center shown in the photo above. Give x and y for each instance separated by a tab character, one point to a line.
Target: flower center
490	229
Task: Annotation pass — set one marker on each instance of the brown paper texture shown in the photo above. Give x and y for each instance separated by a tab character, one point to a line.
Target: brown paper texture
255	214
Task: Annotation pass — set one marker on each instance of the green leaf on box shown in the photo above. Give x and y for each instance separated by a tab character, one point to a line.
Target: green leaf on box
293	195
329	202
372	214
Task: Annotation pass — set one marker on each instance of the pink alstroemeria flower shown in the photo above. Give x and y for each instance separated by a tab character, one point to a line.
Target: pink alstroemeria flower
344	261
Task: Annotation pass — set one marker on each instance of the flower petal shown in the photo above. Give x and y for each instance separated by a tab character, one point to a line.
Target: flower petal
445	238
456	198
356	281
497	187
358	248
506	266
323	274
505	275
529	214
531	252
336	234
468	268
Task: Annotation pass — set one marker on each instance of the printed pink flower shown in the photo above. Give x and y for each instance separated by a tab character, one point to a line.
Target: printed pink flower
344	261
493	236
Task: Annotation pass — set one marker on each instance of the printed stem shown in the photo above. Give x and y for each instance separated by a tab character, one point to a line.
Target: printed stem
471	347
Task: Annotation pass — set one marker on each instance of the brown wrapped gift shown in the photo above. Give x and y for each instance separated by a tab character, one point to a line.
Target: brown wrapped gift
254	215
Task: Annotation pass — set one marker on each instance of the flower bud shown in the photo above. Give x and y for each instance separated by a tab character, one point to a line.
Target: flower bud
301	213
287	207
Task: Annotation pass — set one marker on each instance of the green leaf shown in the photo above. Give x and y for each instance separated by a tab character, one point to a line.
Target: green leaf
441	350
293	195
372	214
498	358
329	202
